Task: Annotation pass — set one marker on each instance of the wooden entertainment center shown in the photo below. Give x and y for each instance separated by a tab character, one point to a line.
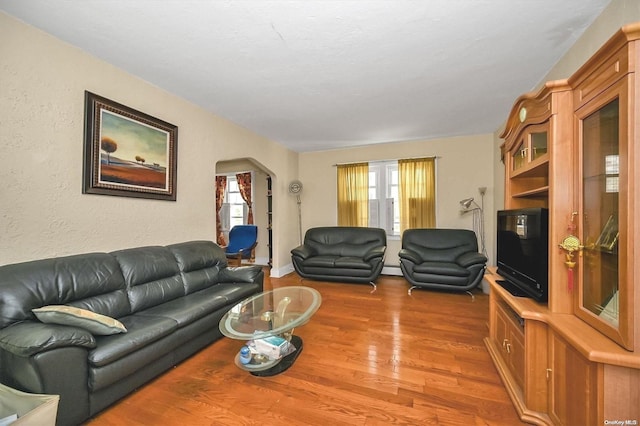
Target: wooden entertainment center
573	147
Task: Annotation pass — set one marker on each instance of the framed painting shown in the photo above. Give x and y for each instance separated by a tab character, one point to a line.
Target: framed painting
128	153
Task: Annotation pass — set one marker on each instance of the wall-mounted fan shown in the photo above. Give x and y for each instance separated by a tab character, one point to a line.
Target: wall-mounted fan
295	188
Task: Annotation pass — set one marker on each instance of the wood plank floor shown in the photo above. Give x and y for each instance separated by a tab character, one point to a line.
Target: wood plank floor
369	359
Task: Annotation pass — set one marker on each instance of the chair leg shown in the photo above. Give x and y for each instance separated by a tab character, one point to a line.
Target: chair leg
411	288
473	298
374	287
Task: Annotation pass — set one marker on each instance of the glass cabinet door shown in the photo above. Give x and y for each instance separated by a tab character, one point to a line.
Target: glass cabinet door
602	288
538	145
519	156
600	217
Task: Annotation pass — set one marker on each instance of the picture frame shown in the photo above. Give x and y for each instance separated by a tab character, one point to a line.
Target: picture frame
128	153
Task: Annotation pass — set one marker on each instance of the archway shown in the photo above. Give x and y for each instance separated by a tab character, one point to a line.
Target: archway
262	201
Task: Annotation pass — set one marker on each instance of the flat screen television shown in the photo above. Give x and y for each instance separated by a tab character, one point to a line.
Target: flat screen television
523	252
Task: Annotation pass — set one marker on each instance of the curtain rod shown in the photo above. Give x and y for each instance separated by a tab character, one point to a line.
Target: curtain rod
388	159
234	173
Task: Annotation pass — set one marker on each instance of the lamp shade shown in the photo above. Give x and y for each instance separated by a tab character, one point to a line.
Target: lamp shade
466	202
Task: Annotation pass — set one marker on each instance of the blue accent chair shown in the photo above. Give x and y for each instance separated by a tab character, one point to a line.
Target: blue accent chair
242	240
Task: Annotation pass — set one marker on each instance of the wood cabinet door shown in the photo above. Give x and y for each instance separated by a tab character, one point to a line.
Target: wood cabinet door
511	339
501	331
516	355
572	385
605	268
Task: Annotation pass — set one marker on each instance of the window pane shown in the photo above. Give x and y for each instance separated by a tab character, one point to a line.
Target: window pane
236	210
232	185
372	178
235	198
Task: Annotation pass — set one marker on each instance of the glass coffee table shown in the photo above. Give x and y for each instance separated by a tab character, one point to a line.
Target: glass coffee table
273	313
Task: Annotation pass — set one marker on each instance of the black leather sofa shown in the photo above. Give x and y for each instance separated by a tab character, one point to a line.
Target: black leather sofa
441	259
170	299
341	253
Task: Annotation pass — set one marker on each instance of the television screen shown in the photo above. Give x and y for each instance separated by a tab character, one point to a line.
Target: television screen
522	251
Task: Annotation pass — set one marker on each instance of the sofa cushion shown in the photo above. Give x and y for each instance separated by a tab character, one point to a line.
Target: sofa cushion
339	274
235	293
352	263
96	324
151	275
441	268
190	308
322	261
440	245
142	330
435	280
60	281
199	262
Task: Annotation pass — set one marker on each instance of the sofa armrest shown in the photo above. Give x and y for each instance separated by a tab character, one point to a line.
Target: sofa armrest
303	251
410	255
468	259
241	274
28	338
376	252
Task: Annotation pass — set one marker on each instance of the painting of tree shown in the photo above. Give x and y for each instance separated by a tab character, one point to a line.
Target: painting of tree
127	152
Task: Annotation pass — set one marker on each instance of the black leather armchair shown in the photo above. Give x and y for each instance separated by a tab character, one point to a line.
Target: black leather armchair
441	259
341	253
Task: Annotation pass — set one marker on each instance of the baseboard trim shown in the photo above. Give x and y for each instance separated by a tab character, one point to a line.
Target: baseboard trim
392	270
281	272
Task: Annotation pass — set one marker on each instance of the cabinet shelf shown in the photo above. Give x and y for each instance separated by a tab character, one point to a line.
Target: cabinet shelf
537	168
542	192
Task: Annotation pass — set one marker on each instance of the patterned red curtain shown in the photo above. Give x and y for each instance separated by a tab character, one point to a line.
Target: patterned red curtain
244	184
221	186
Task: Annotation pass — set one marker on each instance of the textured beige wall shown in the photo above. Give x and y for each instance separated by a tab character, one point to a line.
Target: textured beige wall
464	164
615	16
43	212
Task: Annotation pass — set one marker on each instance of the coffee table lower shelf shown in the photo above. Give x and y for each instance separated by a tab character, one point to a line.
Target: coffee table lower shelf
277	366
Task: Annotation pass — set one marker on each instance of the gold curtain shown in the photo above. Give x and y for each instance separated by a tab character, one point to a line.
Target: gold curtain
353	194
417	189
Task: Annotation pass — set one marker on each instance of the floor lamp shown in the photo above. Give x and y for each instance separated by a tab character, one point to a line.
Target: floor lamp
469	205
295	188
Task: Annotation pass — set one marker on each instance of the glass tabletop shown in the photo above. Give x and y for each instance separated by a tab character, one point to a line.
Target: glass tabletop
271	313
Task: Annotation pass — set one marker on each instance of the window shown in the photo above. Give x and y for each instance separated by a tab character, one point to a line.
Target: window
612	172
384	208
234	209
400	194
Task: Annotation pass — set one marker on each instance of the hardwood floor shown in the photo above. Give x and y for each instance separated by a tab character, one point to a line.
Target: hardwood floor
369	359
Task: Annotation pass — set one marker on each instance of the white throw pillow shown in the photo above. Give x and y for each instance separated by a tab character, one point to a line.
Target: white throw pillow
68	315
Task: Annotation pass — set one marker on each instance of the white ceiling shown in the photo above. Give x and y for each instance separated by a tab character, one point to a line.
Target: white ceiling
324	74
